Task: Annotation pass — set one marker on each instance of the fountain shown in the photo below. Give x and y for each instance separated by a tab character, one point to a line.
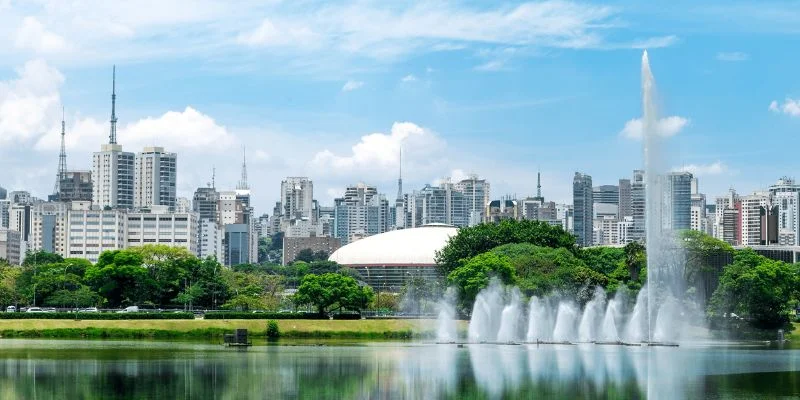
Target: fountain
657	317
592	317
446	321
510	318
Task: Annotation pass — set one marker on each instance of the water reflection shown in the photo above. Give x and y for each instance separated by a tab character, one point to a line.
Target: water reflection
72	369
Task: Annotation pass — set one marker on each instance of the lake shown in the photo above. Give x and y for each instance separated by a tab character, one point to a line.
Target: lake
46	369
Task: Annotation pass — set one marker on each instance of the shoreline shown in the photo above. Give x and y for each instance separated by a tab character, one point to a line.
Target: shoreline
215	329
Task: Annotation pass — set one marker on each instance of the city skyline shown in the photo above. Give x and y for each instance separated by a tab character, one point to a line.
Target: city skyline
518	92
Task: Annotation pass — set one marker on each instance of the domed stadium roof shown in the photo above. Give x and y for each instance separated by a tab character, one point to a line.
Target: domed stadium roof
415	246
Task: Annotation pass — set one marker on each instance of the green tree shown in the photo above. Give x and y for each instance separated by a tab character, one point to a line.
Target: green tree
542	270
603	259
756	288
705	258
331	292
474	275
385	301
41	257
190	295
635	259
474	240
120	278
9	294
305	255
167	268
82	296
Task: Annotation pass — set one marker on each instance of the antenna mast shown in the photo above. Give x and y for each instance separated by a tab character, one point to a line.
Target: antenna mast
112	137
62	158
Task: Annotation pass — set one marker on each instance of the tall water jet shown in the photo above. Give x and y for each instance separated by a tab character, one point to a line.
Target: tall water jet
665	327
446	330
664	255
485	321
566	320
540	320
608	329
510	318
592	315
637	328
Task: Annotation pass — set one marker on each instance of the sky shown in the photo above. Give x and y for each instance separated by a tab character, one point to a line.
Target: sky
333	90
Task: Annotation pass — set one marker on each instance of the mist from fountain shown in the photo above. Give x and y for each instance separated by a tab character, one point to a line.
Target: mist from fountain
540	321
566	322
608	329
510	319
636	330
446	330
486	312
589	327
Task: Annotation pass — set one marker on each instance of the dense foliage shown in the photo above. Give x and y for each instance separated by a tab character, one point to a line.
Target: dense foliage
333	292
474	240
758	289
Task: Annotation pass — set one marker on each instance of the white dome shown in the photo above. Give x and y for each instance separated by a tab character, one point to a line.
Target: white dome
415	246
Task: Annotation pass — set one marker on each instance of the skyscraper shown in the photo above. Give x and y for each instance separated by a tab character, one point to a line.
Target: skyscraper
624	198
112	168
205	203
606	194
638	206
297	196
582	201
477	194
677	212
156	177
361	212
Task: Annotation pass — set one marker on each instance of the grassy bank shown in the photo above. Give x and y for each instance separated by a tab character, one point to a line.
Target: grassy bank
214	329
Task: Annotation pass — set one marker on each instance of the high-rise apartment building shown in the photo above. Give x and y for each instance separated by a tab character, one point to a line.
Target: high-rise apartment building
677	210
155	178
582	201
477	194
3	193
297	197
624	200
360	213
638	206
75	186
210	240
751	210
206	203
436	205
113	175
49	227
606	194
10	246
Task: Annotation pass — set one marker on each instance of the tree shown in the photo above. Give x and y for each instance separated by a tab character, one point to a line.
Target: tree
120	278
420	295
189	295
41	257
635	259
603	259
474	275
543	270
166	268
756	288
332	292
705	258
474	240
385	301
305	255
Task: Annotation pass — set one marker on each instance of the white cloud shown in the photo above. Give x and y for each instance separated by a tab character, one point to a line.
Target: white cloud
491	66
733	56
409	78
351	85
665	127
30	103
269	34
714	168
377	154
32	35
789	107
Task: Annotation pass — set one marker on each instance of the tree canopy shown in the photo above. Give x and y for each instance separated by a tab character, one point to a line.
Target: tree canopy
331	292
756	288
474	240
474	275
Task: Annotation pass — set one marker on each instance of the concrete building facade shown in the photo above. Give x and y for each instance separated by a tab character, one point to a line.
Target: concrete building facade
155	178
113	174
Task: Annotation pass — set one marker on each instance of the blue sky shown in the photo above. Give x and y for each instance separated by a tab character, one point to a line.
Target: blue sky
330	90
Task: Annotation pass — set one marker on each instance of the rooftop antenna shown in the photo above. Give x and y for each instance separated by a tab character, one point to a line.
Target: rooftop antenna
243	182
400	177
213	177
62	158
112	137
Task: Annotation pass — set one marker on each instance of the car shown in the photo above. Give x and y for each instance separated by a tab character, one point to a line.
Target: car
34	310
89	309
49	310
11	309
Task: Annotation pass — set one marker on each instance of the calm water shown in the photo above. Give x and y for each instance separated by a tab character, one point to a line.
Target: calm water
33	369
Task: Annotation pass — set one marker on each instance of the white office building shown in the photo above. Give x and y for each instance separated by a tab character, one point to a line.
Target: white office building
113	177
155	178
162	227
210	240
92	232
